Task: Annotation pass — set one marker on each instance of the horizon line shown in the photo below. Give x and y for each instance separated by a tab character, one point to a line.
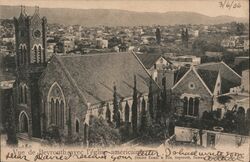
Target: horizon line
33	6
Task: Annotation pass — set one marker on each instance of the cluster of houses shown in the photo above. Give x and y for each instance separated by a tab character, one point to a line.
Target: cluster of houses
236	43
73	87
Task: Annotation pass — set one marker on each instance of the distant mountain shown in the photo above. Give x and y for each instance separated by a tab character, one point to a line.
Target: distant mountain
95	17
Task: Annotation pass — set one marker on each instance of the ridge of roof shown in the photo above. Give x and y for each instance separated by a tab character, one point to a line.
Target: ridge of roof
208	63
202	81
192	68
209	77
94	54
221	63
178	82
230	69
178	74
148	60
144	68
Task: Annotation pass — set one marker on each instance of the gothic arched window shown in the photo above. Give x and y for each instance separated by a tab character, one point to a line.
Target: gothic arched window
39	59
24	55
57	113
21	94
35	54
196	106
185	105
21	54
18	57
57	103
62	114
25	94
143	107
44	57
191	106
52	111
77	126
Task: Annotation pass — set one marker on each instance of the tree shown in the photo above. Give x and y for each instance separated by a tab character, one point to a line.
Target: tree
150	100
158	36
153	132
10	112
108	114
134	108
240	29
114	41
158	109
53	135
184	37
164	98
125	130
127	112
143	116
240	121
187	37
116	113
228	121
101	134
248	121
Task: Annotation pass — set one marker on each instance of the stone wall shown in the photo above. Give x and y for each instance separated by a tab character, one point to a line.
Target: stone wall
192	86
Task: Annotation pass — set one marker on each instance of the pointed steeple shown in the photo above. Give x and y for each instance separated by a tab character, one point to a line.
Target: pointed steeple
23	12
36	9
21	9
36	13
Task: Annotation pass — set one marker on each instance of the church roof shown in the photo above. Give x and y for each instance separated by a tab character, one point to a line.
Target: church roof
209	77
209	72
95	75
226	71
149	60
178	74
228	76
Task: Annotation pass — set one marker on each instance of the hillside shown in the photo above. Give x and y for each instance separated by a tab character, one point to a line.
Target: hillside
95	17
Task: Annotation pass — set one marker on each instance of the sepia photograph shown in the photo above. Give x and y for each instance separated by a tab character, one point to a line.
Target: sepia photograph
124	80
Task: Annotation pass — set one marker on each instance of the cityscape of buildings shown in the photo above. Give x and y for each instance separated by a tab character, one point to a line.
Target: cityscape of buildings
185	84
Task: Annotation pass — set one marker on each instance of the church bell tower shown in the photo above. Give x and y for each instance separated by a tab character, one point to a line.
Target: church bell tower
31	60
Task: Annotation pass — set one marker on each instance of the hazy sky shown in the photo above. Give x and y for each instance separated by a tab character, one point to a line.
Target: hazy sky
206	7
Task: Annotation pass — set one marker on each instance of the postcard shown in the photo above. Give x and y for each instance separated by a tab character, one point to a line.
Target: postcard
124	80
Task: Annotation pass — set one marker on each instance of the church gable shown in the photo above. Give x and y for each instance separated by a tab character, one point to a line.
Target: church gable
52	74
191	83
59	97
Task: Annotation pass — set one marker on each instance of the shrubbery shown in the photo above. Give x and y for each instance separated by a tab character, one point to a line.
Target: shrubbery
102	134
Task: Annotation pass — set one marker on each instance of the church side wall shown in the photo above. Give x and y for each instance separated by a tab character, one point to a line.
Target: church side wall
185	89
73	104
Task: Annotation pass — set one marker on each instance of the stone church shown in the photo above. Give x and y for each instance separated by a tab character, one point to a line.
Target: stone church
30	34
197	88
66	90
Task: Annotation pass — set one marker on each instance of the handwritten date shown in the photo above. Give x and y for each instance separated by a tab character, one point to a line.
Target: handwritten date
229	4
